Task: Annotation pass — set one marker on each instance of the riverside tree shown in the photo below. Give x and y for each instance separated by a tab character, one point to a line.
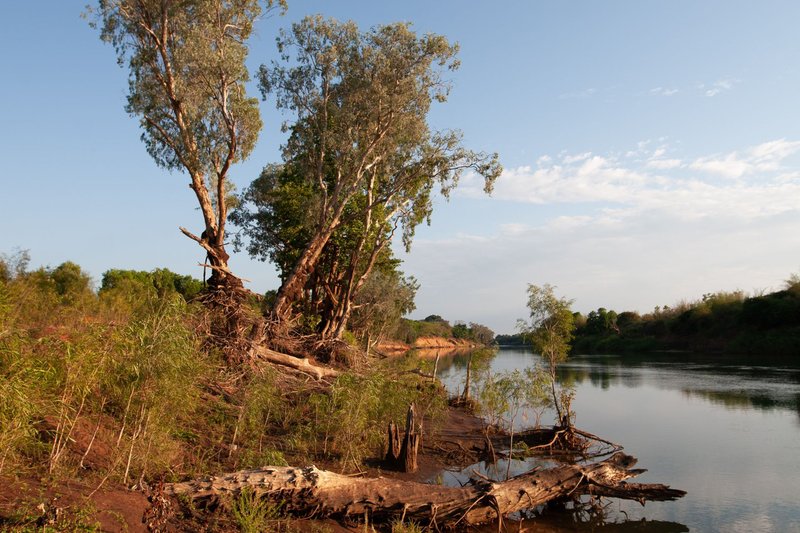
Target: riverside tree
187	75
550	329
360	146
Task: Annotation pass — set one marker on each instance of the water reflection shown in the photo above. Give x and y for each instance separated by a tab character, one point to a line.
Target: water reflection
727	431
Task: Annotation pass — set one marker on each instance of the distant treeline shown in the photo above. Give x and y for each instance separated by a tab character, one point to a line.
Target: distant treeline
435	326
516	339
723	322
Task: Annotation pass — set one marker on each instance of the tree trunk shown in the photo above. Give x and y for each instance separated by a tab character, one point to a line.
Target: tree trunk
292	287
217	259
311	491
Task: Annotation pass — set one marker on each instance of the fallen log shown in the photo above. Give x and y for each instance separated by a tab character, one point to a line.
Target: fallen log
310	491
302	364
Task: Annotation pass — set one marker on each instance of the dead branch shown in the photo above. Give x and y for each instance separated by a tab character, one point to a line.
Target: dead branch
302	364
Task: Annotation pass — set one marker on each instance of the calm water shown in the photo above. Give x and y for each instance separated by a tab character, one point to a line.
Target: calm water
728	434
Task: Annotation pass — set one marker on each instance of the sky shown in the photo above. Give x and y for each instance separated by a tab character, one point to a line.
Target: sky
651	152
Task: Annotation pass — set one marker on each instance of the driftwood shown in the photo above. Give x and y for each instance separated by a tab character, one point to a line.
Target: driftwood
301	364
319	493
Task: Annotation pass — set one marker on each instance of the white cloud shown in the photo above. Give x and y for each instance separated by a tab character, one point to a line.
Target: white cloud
569	159
688	186
765	157
619	232
664	164
718	86
584	93
663	91
729	166
773	152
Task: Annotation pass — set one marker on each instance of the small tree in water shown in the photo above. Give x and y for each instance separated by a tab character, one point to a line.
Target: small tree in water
550	330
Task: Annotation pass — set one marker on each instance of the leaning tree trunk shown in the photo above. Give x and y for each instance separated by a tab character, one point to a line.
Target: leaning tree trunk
310	491
291	289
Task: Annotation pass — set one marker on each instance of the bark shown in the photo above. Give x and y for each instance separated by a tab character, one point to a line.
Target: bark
292	288
311	491
302	364
221	276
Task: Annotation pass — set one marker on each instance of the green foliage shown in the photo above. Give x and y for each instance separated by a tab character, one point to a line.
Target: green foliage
601	321
551	323
550	331
68	363
381	303
360	163
502	396
435	326
13	265
205	41
262	405
349	421
154	383
70	282
162	281
728	322
517	339
187	78
254	514
460	331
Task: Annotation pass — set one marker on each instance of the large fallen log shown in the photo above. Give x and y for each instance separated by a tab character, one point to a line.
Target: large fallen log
302	364
314	492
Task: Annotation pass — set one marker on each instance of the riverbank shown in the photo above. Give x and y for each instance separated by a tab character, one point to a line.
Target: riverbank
395	347
114	507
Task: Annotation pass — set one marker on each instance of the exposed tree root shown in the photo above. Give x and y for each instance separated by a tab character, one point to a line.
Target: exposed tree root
310	491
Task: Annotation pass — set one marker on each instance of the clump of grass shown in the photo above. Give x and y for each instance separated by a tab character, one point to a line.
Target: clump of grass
406	527
254	514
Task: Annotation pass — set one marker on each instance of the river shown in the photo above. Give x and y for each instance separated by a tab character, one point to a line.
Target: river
727	432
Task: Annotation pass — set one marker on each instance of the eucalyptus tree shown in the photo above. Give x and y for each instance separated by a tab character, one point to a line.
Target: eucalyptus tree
187	76
360	139
550	330
277	214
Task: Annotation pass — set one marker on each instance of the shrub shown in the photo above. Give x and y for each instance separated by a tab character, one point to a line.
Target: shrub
350	419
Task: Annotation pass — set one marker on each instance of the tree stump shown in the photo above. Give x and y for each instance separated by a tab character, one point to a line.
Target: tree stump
402	455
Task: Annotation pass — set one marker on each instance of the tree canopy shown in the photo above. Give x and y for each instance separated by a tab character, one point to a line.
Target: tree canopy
187	76
360	148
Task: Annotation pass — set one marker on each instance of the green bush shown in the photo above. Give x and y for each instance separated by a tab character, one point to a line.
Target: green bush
349	421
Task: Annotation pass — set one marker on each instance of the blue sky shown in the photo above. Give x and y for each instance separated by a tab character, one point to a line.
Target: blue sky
652	152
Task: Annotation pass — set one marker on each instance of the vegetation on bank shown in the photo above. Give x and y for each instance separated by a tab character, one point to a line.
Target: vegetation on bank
408	331
358	168
724	322
119	387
